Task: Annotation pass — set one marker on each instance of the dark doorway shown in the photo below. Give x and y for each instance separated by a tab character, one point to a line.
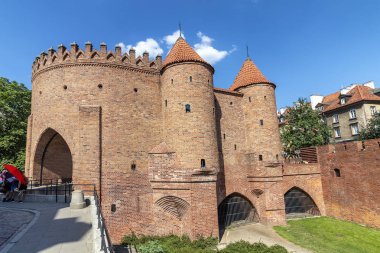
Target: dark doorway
235	209
52	160
298	204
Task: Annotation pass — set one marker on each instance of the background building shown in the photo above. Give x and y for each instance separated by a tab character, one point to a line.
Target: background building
348	110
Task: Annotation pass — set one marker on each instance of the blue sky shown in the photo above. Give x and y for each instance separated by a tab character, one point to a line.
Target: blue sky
304	46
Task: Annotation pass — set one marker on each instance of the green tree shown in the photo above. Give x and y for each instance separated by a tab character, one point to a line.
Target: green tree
14	111
372	130
304	128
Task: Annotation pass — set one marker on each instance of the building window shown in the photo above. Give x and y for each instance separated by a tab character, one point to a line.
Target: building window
235	146
261	122
337	172
337	132
224	136
172	81
190	79
231	103
166	103
354	129
203	163
133	166
320	108
249	98
342	101
352	114
335	118
373	110
260	157
187	108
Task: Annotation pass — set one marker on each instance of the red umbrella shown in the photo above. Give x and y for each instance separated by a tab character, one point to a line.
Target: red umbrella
15	172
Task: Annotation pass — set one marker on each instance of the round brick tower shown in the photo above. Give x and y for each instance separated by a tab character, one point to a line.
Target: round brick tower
188	108
259	106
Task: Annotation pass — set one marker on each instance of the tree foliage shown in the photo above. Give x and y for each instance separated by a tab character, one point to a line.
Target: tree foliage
14	111
304	128
372	130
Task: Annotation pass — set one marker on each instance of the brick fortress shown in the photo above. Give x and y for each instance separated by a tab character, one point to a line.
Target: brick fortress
168	152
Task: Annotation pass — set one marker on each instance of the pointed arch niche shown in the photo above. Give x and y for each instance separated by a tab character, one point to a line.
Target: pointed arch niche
299	204
52	158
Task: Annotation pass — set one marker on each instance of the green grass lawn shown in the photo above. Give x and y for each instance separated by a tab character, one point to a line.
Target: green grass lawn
328	235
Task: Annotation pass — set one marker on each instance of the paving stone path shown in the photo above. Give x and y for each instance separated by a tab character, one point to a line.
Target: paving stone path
11	222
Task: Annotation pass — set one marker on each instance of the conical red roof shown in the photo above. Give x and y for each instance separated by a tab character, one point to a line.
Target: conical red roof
182	52
248	74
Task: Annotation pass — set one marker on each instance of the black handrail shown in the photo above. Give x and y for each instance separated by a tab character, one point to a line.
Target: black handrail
49	188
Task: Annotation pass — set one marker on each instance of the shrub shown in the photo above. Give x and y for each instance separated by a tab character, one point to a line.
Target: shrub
183	244
151	247
246	247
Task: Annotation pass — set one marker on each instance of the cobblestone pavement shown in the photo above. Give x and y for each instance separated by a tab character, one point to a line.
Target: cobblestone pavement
12	221
57	229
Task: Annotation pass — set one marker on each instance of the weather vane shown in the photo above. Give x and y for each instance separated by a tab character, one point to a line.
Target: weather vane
180	29
247	51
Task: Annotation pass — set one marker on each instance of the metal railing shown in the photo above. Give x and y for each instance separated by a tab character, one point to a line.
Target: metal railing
59	189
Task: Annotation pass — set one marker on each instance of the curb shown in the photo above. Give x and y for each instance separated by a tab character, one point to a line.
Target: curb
21	231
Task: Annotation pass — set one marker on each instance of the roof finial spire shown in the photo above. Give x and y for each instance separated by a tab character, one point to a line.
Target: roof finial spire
247	51
180	29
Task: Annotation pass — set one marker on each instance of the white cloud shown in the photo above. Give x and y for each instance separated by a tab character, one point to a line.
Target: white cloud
172	38
150	45
208	52
204	48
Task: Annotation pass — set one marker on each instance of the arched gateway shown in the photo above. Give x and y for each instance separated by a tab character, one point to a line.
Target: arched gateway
299	204
235	209
52	159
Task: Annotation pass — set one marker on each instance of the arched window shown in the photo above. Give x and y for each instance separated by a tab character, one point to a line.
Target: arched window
203	163
337	172
172	81
299	204
187	108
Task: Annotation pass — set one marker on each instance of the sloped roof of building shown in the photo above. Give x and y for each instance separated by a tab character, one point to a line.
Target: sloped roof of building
248	74
357	94
182	52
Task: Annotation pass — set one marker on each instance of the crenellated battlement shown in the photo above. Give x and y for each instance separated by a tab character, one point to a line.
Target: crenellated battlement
76	55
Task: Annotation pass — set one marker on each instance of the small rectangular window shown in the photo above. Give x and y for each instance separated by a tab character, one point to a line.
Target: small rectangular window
166	103
187	108
354	129
260	157
352	114
337	132
335	118
203	163
261	122
343	101
373	110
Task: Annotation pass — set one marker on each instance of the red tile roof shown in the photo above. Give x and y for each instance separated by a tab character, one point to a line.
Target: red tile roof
182	52
357	94
248	74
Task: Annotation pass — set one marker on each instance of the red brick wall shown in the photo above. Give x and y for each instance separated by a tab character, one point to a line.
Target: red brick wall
354	196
